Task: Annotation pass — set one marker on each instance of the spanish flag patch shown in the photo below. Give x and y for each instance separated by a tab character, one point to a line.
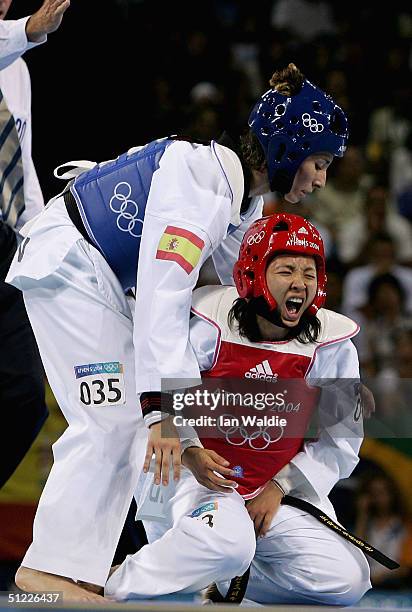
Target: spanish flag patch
181	246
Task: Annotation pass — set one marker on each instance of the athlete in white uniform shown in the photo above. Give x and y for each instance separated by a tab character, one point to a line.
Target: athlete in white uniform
148	219
210	535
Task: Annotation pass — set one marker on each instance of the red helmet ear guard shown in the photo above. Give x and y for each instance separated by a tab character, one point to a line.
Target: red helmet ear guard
279	233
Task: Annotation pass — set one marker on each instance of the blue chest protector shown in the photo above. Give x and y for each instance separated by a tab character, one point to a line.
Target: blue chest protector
112	199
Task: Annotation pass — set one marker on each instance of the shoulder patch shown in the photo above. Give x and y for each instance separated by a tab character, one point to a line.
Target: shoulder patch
180	245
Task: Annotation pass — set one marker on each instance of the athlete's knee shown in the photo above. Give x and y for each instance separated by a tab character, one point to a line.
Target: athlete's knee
239	554
354	583
232	549
343	585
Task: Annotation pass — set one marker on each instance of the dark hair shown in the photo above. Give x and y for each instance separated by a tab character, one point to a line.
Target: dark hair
381	237
287	82
385	279
251	150
243	316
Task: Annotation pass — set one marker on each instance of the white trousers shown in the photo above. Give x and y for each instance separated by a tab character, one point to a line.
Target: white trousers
211	539
80	315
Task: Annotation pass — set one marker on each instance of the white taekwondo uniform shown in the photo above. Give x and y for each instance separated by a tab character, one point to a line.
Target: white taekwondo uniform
209	536
16	88
96	358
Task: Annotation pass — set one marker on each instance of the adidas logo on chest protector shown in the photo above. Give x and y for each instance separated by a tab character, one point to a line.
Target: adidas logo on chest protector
262	371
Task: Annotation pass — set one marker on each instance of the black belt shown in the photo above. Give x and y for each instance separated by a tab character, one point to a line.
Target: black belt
326	520
238	585
74	214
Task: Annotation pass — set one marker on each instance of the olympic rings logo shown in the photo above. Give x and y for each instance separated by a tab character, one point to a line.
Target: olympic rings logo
126	209
110	367
256	238
311	123
251	439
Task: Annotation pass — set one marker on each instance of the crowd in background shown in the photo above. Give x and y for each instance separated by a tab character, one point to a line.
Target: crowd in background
196	71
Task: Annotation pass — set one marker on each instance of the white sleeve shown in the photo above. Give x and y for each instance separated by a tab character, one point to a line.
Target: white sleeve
227	253
203	338
13	40
321	464
188	192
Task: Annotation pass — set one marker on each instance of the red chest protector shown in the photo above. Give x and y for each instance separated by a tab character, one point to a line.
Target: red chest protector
256	450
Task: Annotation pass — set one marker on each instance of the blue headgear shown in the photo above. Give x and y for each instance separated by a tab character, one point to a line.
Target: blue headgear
292	128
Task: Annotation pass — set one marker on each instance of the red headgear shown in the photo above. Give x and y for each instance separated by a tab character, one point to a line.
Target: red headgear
269	236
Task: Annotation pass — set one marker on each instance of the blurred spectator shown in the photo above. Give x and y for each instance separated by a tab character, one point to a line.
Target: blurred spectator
205	92
305	19
390	125
342	198
201	58
203	123
389	129
204	115
402	178
335	272
401	168
245	52
393	387
337	83
381	521
275	51
381	259
381	319
376	217
164	115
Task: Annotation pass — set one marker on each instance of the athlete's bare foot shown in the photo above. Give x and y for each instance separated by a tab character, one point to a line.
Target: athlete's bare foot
34	581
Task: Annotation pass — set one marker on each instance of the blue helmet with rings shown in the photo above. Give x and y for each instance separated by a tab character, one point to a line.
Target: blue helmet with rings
290	128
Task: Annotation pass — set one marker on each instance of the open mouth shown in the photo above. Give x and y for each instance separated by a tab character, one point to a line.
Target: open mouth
293	307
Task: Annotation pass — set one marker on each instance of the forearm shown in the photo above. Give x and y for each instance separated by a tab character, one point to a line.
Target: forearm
156	407
46	20
35	30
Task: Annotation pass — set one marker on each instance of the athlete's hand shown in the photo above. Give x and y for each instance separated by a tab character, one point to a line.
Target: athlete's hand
203	463
164	442
263	507
46	20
